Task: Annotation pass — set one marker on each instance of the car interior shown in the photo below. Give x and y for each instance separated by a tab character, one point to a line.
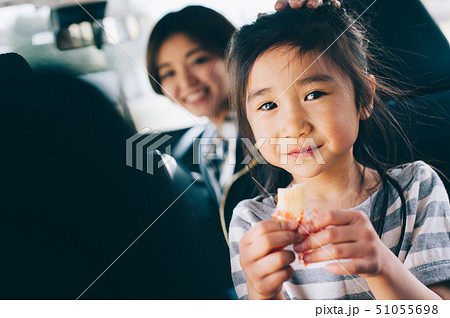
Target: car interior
77	222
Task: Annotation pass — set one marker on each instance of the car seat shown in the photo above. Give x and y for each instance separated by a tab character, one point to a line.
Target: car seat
14	67
75	219
417	59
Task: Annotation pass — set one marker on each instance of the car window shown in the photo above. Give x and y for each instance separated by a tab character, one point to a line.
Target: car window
27	30
440	11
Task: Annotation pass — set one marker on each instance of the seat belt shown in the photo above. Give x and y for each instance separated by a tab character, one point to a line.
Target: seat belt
210	179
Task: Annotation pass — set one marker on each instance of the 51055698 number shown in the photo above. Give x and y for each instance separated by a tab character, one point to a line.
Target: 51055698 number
407	309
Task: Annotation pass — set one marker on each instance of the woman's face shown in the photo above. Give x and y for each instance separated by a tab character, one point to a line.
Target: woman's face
192	76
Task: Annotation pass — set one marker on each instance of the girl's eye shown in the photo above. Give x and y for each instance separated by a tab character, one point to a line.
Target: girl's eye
166	75
201	60
314	95
268	106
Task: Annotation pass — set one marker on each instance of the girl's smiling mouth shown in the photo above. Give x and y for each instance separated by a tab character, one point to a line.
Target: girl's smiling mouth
304	152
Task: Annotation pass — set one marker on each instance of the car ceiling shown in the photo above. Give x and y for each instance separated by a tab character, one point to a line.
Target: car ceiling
41	3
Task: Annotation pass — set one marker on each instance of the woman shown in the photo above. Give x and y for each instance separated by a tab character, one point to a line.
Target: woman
185	60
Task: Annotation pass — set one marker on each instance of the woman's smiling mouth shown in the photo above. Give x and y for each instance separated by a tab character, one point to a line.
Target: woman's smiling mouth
196	96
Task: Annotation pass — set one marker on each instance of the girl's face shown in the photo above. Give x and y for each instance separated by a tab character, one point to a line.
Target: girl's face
192	76
297	104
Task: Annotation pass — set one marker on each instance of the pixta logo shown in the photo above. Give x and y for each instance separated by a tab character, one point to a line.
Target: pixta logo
140	150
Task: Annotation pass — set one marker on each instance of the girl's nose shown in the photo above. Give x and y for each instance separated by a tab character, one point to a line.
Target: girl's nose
295	122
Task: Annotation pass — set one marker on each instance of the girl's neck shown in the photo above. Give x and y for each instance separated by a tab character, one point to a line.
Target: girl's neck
340	186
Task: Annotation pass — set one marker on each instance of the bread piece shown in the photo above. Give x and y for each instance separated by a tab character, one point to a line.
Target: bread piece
291	203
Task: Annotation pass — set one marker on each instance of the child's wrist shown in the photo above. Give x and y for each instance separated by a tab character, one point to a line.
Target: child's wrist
390	264
389	268
395	281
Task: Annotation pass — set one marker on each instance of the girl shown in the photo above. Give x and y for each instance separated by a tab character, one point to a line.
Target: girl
301	83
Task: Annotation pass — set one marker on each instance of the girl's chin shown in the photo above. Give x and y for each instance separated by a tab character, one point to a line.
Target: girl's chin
307	169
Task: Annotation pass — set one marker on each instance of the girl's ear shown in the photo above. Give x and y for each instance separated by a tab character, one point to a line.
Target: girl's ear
366	111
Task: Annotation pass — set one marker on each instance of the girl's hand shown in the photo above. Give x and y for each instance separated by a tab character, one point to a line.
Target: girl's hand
295	4
264	260
351	236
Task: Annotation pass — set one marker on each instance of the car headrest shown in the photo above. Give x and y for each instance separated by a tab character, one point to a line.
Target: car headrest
407	40
413	46
13	67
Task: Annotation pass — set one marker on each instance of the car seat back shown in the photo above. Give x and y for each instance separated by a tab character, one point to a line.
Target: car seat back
74	214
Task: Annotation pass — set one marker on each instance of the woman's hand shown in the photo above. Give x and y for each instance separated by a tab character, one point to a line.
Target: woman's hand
295	4
351	236
265	261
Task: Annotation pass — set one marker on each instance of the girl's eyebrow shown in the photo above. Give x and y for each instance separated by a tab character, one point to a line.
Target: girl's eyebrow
323	78
257	93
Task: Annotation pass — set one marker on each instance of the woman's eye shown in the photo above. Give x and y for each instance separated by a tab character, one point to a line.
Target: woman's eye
268	106
201	60
314	95
166	75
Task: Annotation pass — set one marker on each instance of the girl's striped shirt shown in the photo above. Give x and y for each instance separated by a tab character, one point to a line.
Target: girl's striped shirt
425	250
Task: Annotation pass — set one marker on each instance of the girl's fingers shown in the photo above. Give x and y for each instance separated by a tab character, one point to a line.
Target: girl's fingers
342	268
331	217
268	226
274	282
270	242
335	252
330	235
353	267
272	263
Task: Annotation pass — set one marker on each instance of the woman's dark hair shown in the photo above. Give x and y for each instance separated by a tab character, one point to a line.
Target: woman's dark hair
203	25
331	34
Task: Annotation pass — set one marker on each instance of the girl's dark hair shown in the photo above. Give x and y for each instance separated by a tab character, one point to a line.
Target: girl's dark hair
333	35
203	25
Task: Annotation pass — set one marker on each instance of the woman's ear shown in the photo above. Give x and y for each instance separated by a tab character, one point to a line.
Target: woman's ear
366	111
